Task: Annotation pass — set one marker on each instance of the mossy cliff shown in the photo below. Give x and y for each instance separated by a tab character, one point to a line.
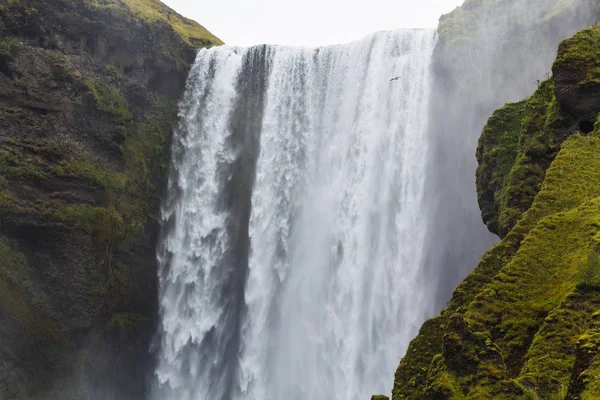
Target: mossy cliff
489	52
88	93
525	323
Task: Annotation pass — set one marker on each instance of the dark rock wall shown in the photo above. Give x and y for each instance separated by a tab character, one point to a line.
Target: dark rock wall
88	94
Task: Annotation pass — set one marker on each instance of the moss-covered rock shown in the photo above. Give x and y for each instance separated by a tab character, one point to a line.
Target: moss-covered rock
497	154
523	324
89	91
577	76
520	140
515	149
518	333
489	52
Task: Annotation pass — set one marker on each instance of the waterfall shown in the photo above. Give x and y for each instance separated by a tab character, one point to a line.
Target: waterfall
294	239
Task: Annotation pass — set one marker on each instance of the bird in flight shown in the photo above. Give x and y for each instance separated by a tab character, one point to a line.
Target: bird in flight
394	79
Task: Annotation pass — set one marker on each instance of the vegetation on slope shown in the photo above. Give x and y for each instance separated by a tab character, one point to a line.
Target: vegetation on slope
524	324
516	147
156	12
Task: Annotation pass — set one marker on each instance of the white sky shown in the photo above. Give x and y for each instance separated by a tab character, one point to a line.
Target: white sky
309	22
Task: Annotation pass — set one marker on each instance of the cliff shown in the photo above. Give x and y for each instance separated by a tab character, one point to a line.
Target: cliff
488	53
88	93
526	322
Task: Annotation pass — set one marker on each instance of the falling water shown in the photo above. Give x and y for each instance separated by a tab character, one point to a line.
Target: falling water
294	240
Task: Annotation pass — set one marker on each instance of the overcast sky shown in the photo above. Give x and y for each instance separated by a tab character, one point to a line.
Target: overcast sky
309	22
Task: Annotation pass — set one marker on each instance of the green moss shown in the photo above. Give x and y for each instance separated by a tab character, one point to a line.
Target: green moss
589	272
8	46
411	375
109	100
545	267
531	274
155	12
496	155
113	72
551	357
3	183
516	147
581	53
18	18
587	383
538	145
380	397
77	168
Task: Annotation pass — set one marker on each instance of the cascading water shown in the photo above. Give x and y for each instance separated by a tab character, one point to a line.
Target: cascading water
294	241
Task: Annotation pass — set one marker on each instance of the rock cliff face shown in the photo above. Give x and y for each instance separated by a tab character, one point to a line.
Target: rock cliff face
88	93
488	53
525	322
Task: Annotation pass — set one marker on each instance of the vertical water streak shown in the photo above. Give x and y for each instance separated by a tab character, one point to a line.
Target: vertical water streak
292	263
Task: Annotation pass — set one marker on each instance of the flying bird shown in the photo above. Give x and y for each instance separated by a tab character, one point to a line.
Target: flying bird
395	79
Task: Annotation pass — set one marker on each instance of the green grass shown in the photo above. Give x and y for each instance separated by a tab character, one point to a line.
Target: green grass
155	12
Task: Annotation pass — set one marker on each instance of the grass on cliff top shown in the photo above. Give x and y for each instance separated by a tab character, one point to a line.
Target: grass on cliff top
580	51
191	31
153	11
